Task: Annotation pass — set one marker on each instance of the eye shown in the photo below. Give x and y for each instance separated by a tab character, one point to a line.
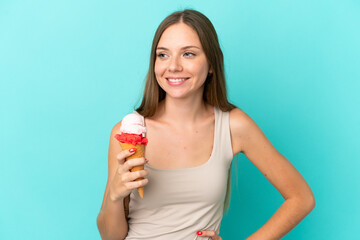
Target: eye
161	55
189	54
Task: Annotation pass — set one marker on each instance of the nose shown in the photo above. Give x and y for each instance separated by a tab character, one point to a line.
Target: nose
175	65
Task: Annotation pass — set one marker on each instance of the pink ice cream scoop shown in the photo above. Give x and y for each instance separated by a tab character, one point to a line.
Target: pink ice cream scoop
133	124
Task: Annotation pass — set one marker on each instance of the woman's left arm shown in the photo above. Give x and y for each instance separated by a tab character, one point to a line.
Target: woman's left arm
248	138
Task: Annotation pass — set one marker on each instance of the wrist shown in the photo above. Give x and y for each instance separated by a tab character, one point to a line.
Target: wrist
114	198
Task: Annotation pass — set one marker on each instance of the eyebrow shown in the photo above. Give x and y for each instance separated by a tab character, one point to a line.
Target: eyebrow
186	47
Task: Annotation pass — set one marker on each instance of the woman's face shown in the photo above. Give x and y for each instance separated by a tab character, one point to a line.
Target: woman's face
181	66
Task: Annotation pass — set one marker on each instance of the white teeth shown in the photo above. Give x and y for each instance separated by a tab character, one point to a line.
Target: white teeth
176	80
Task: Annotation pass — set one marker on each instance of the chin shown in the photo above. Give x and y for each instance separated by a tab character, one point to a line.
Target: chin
176	96
183	95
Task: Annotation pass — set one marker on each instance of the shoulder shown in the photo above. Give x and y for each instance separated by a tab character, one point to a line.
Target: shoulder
241	125
116	128
114	145
239	121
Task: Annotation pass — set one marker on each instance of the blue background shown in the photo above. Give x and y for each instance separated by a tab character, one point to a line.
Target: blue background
70	70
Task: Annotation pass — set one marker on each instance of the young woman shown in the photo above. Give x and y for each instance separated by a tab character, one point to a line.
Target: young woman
193	134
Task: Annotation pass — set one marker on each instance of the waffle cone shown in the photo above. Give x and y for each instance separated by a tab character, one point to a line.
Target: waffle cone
140	152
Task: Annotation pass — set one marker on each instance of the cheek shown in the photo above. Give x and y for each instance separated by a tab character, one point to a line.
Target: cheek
201	69
159	69
156	69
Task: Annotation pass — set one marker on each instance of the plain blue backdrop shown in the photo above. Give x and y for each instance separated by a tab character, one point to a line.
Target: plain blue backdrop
70	70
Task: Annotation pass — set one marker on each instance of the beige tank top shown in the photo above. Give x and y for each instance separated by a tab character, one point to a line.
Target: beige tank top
180	202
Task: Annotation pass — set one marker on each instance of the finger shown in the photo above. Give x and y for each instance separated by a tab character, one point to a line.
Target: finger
133	163
124	154
137	184
209	233
132	176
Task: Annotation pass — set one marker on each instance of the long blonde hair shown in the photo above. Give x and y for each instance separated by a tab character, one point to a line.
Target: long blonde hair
215	86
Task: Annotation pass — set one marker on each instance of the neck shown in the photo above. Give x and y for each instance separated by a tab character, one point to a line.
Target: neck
182	111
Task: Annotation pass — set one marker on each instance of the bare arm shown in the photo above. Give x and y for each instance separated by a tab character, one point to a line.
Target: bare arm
299	199
111	220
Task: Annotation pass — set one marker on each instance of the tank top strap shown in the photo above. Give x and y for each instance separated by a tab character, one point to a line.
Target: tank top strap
222	128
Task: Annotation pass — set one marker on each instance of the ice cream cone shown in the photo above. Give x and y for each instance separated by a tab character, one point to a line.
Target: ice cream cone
132	135
140	152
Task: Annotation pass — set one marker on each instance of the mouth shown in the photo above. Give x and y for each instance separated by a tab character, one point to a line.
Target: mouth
176	80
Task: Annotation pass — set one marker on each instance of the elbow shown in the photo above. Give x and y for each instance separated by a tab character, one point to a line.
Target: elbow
100	226
311	202
308	202
305	202
310	199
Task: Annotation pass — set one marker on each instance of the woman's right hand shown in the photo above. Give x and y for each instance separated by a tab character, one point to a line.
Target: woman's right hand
124	180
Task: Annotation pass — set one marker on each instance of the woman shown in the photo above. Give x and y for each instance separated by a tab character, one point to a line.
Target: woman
193	134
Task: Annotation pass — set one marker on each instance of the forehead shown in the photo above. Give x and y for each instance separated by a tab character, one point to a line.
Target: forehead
179	35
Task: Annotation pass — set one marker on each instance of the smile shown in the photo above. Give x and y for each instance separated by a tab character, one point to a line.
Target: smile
175	80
